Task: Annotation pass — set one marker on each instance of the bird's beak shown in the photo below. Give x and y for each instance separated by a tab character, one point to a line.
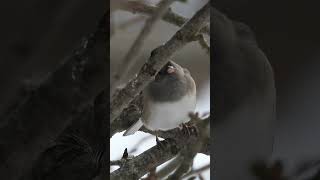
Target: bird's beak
171	69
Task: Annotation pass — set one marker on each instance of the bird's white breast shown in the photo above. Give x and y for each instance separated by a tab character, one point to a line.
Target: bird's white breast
168	115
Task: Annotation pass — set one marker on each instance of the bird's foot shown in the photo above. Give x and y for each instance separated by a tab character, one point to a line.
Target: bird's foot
188	129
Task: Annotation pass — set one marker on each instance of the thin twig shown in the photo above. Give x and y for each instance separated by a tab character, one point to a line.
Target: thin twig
130	22
159	57
197	171
169	168
129	59
187	162
115	163
203	43
171	17
307	167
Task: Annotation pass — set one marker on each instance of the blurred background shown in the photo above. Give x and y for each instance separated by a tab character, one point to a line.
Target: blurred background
126	27
35	37
288	33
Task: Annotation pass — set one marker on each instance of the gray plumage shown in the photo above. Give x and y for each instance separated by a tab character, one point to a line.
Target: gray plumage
169	87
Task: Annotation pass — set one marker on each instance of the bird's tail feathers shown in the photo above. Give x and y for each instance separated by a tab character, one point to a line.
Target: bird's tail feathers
134	128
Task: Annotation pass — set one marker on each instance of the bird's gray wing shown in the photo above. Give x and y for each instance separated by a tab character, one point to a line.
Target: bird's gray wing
134	128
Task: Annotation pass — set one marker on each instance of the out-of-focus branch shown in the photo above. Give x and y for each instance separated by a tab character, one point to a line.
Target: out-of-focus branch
307	167
159	57
130	22
203	43
171	17
117	162
187	157
129	59
49	109
197	171
169	168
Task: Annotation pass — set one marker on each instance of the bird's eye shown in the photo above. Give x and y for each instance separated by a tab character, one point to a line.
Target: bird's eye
171	69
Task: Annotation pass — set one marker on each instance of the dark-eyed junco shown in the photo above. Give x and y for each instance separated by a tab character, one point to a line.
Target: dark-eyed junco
168	100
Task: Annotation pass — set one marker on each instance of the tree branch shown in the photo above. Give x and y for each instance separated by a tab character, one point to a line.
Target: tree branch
127	62
203	43
157	155
169	168
188	154
143	163
159	57
129	116
171	17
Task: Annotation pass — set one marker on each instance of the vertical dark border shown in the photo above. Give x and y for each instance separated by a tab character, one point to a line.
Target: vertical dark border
212	161
108	89
50	133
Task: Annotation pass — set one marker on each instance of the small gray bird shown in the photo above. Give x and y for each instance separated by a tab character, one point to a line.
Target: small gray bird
168	100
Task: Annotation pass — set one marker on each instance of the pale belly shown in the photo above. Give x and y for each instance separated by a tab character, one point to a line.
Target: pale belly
165	116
